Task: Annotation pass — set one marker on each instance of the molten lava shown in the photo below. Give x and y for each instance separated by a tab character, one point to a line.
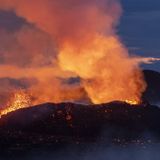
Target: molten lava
132	102
18	101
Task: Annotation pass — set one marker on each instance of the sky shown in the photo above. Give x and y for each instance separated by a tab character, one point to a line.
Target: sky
140	28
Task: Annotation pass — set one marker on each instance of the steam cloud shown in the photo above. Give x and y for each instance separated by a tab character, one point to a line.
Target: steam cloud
68	38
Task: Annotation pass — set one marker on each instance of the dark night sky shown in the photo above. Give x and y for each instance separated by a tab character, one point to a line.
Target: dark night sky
139	27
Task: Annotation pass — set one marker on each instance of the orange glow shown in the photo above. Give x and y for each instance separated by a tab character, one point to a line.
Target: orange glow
107	71
131	102
83	35
19	100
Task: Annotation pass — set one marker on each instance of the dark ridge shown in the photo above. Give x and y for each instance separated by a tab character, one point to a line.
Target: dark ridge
152	93
54	126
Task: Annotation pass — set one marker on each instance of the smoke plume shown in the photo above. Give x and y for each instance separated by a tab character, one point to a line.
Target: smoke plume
68	38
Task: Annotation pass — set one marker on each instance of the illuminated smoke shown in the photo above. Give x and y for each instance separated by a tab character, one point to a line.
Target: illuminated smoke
85	45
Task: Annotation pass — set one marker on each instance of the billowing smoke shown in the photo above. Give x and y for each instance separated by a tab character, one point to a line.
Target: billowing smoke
68	38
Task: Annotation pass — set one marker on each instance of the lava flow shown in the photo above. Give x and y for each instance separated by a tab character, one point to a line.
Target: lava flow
132	102
23	100
18	101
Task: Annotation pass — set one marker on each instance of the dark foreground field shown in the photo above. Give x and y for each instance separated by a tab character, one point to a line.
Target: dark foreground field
67	130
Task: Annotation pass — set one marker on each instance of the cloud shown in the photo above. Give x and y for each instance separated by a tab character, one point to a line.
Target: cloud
27	47
76	38
11	22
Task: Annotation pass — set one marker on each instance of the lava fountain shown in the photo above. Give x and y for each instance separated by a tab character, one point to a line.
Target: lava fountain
19	100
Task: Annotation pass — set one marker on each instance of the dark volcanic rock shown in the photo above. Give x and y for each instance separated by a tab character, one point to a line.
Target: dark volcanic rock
57	125
152	93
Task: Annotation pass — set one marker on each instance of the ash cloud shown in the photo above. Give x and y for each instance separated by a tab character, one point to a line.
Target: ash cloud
64	39
27	47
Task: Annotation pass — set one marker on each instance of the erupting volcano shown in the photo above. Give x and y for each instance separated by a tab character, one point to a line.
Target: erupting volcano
88	51
66	76
84	43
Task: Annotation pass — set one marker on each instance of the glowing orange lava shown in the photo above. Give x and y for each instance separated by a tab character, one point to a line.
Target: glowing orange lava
132	102
20	100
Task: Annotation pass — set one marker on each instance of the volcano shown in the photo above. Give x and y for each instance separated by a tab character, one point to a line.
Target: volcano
54	126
